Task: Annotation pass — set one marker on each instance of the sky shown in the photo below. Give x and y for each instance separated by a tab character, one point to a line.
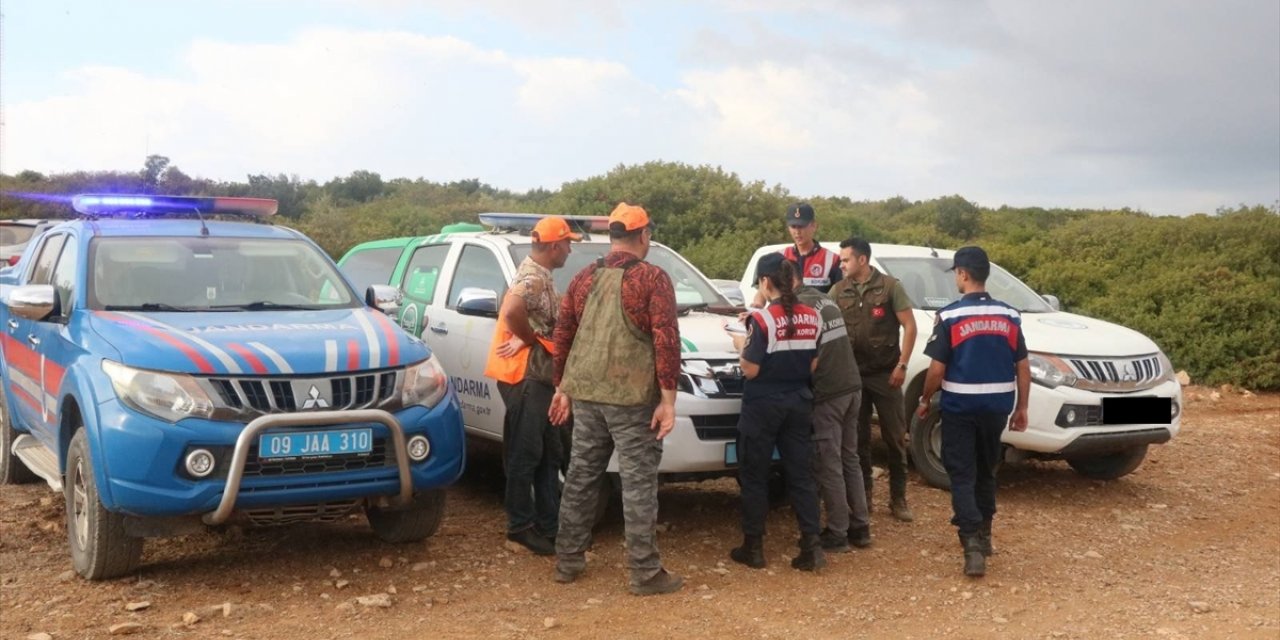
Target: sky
1166	106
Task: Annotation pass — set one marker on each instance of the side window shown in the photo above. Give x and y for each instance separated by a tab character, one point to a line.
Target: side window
43	269
423	272
477	268
64	277
371	266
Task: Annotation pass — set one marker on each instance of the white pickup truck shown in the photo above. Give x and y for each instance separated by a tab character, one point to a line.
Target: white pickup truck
452	283
1079	367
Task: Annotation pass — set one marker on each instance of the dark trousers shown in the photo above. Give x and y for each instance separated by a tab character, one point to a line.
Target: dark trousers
782	421
970	452
532	454
887	401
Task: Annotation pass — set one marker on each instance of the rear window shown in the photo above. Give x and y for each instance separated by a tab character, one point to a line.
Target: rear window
15	234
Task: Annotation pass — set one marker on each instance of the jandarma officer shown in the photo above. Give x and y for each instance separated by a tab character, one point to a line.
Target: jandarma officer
778	359
980	361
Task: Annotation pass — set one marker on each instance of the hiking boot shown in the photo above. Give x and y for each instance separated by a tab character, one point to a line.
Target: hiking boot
661	582
975	564
834	542
860	537
984	539
533	541
900	510
566	577
751	553
811	557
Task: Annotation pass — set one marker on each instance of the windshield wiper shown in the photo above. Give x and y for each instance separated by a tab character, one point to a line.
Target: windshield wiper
684	309
146	306
264	305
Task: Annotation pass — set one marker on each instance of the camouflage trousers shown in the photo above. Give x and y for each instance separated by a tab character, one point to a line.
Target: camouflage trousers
597	430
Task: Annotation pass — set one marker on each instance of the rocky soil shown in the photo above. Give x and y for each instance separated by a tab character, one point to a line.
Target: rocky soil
1186	547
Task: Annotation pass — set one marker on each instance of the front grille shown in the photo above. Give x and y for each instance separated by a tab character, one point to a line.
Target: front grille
1116	374
321	512
287	395
722	426
381	456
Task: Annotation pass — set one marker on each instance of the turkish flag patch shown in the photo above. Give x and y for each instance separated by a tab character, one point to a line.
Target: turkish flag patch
877	312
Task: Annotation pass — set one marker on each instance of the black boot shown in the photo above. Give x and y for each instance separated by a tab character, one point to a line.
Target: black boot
751	553
984	537
860	537
811	557
975	564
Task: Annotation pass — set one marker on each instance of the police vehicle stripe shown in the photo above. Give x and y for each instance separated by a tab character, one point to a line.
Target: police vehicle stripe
353	356
222	356
988	387
196	358
375	348
983	310
281	363
29	388
249	356
393	346
330	355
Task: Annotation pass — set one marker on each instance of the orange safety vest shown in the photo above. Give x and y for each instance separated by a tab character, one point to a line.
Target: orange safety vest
509	370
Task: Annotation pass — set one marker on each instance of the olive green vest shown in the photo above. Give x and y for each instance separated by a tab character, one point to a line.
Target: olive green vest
611	361
871	321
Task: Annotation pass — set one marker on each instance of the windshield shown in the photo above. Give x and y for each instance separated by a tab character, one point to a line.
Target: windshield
932	287
213	274
15	234
692	288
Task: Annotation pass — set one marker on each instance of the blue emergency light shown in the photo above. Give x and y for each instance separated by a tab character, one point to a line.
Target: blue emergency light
106	204
524	222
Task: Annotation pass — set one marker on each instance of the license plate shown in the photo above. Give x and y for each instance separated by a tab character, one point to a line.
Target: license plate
1145	410
731	453
315	444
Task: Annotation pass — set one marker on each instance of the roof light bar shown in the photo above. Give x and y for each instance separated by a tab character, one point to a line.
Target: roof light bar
109	204
526	221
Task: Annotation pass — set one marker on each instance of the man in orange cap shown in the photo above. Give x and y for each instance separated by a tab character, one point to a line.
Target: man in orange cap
617	358
520	360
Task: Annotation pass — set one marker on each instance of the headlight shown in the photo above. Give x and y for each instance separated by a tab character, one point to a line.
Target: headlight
424	384
167	396
698	379
1166	369
1050	371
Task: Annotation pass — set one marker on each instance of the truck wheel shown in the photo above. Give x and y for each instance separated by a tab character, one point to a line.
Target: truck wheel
1110	466
926	449
100	548
419	521
12	470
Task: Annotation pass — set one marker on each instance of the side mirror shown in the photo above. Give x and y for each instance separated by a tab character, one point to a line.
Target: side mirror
384	298
33	301
473	301
1053	302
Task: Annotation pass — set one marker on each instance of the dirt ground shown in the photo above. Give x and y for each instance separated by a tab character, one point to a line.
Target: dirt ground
1186	547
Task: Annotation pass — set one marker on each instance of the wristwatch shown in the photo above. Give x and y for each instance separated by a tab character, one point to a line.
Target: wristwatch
902	365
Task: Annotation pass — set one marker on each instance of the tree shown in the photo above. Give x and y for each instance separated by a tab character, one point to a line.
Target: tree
151	170
958	218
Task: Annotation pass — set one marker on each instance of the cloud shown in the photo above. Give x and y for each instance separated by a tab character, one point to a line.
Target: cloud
1173	108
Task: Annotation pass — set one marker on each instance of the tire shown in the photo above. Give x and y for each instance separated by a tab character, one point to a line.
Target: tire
12	470
1111	465
100	548
926	449
419	521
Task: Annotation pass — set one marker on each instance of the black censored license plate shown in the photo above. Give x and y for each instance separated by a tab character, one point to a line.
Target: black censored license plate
1137	410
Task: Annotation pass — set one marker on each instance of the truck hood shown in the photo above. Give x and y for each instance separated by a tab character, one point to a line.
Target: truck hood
259	342
1064	333
702	335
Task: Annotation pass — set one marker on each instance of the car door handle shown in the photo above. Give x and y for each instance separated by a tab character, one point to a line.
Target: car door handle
13	324
33	339
440	329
